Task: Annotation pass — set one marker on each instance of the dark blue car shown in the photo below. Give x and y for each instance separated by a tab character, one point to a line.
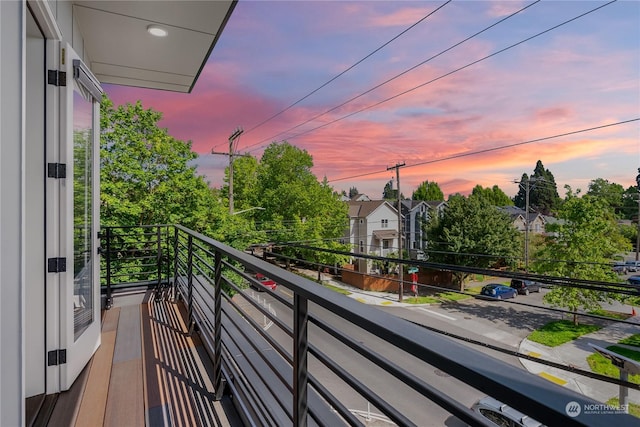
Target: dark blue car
498	291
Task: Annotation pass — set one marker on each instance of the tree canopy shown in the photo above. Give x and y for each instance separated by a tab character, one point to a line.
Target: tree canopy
297	207
472	232
610	192
543	191
494	195
146	175
580	246
428	191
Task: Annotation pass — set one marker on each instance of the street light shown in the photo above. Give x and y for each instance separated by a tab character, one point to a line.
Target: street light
247	210
626	366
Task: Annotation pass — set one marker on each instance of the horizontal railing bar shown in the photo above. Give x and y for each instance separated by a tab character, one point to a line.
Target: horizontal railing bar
402	374
474	368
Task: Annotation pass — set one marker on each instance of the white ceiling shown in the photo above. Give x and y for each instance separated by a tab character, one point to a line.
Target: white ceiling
121	51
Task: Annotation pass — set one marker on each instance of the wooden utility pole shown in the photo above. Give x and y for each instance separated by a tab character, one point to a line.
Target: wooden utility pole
232	139
400	272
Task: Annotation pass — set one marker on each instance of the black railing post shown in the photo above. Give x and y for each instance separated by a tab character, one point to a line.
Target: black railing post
159	258
109	299
190	280
300	351
175	261
218	385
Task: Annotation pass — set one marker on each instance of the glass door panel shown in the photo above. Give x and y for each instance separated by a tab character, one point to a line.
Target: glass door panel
83	298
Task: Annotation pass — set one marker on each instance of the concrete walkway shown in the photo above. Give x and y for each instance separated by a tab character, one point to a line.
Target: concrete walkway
575	353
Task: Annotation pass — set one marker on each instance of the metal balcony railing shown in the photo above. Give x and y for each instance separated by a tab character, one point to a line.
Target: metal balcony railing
305	355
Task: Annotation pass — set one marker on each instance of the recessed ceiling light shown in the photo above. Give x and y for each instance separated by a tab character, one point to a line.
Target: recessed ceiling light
156	30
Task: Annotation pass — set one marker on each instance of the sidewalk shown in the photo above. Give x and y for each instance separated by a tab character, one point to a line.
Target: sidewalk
573	353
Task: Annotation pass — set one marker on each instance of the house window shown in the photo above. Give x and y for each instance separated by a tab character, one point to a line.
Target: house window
385	244
361	246
385	223
361	221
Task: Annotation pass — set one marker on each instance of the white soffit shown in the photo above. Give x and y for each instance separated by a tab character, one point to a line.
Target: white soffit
122	52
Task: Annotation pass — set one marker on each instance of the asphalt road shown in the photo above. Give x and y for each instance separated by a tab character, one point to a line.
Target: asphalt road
494	322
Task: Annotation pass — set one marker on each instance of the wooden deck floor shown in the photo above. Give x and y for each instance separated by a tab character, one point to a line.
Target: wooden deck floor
148	372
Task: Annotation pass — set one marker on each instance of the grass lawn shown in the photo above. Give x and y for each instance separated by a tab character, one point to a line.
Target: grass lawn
632	340
611	314
601	365
475	290
420	300
452	296
336	289
559	332
634	409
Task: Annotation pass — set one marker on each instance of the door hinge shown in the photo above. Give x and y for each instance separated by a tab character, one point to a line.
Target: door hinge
56	170
57	78
56	357
56	265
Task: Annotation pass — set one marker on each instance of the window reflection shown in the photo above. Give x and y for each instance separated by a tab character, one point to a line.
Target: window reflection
82	213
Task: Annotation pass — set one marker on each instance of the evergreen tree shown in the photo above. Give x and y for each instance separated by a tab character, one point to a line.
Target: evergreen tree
353	191
543	191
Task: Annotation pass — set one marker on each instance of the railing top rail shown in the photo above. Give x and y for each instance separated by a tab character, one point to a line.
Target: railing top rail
520	389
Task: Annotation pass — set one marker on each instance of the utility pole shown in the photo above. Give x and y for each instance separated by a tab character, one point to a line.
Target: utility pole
527	190
400	272
232	139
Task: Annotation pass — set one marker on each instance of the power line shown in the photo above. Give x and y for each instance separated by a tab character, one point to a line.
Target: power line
396	76
487	150
348	69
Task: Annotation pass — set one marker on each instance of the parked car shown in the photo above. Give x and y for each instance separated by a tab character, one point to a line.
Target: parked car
503	415
524	286
498	291
266	282
620	267
632	266
634	280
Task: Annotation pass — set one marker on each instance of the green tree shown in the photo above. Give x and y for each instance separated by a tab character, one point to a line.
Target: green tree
543	191
428	191
388	193
146	174
494	195
630	202
245	179
298	208
608	191
580	246
353	191
472	232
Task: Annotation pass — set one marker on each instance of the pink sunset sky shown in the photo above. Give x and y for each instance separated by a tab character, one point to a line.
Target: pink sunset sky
581	75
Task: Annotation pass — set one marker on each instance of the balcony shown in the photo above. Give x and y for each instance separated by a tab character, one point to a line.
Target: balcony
186	342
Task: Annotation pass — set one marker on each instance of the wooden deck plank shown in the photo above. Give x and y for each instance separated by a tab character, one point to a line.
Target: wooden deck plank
128	344
125	404
94	401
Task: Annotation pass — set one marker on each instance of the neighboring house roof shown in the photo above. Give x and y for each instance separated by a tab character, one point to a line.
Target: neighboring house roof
365	208
385	234
515	212
435	204
361	198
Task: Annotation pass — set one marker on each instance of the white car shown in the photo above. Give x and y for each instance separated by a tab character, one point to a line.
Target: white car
632	266
503	415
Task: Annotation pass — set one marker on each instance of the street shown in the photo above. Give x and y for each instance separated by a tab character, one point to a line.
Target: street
497	323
